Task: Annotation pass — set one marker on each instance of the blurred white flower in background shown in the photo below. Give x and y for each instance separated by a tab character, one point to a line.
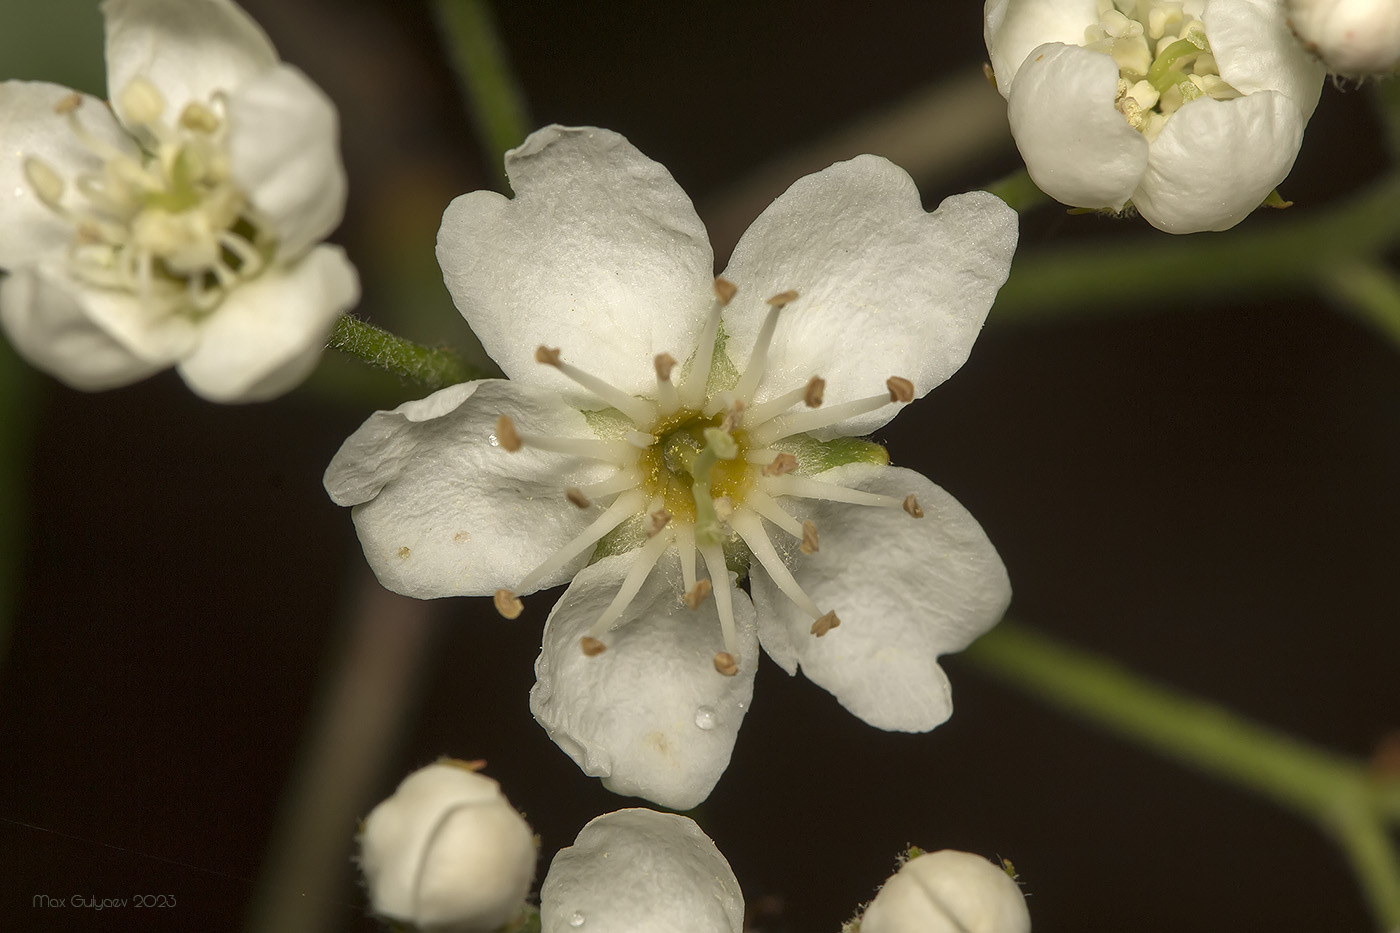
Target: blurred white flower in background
948	892
180	226
1193	110
1352	37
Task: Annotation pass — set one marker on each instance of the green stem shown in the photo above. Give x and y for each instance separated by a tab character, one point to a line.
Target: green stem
1018	191
1330	789
1368	290
434	368
480	60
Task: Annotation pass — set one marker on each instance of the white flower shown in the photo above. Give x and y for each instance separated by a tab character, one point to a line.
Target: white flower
181	226
635	870
651	483
447	850
1191	109
948	892
1353	37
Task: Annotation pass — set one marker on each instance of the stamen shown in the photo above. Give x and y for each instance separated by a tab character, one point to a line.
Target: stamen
47	184
825	624
625	506
639	410
765	506
505	434
758	359
724	604
68	103
142	102
780	464
685	545
621	481
809	395
576	496
637	574
751	530
619	452
667	398
693	391
591	646
810	542
725	664
508	604
733	415
900	390
656	521
725	290
198	118
640	439
696	594
806	488
911	505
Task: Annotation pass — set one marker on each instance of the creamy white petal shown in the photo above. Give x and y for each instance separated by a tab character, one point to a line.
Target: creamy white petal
189	49
29	127
441	510
600	253
284	152
638	870
1013	28
884	288
948	892
50	328
1256	50
269	332
906	591
1077	147
650	715
1216	161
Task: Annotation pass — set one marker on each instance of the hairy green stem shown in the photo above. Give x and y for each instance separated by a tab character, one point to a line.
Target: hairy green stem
434	368
492	91
1330	789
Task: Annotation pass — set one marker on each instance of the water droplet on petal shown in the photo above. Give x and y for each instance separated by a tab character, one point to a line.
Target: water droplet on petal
705	718
576	919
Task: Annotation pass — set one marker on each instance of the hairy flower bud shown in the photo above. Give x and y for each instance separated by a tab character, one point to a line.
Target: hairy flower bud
1353	37
948	892
447	849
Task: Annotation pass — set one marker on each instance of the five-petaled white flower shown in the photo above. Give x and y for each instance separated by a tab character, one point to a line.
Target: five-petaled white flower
657	419
1193	110
180	226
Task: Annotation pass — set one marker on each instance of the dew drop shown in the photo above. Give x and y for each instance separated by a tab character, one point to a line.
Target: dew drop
576	919
705	718
494	441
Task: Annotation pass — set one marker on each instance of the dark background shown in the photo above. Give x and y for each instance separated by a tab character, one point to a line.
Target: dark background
1207	493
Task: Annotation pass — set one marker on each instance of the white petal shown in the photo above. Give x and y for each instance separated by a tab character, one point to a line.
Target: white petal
267	335
284	151
906	591
1256	50
1077	147
639	870
948	892
442	511
30	127
885	289
1216	160
1013	28
188	49
600	253
650	715
50	328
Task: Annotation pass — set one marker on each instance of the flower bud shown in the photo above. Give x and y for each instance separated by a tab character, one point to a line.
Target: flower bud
948	892
448	850
1353	37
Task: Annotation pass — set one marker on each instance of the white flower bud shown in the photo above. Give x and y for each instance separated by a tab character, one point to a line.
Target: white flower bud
1353	37
948	892
447	850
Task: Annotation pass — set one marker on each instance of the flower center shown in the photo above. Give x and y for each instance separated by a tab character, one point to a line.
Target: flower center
695	461
167	223
1162	55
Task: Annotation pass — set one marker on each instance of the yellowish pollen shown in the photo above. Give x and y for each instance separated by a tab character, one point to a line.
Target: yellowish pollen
816	388
656	521
782	463
665	362
508	604
505	434
591	646
576	496
810	544
404	552
901	389
697	593
783	298
825	624
911	505
547	355
725	664
725	290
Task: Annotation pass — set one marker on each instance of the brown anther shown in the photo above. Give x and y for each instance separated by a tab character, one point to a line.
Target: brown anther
809	538
825	624
782	463
68	103
911	505
697	593
505	434
725	664
816	388
725	290
732	416
664	362
901	389
723	507
508	604
783	298
591	646
656	521
88	233
547	355
576	496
